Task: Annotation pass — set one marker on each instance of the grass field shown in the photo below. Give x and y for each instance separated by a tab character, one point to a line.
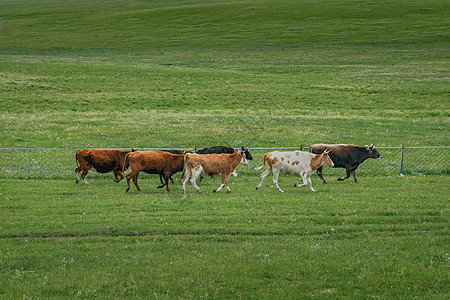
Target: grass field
385	237
176	74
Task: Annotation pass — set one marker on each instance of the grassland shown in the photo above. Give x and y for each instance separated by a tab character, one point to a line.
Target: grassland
347	240
238	73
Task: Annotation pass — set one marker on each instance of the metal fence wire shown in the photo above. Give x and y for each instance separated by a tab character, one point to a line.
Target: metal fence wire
60	163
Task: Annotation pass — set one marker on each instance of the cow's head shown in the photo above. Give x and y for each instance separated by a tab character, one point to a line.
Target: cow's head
372	152
247	153
243	157
326	160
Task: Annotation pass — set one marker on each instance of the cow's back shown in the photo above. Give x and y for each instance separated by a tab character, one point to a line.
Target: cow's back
156	162
341	154
106	160
290	162
216	150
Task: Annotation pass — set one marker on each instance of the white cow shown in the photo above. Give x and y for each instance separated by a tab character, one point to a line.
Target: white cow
293	162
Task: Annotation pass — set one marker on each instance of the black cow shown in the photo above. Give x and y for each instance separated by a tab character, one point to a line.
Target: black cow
225	150
222	149
345	156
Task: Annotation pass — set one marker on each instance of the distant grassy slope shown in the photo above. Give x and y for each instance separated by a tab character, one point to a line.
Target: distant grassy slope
158	73
89	25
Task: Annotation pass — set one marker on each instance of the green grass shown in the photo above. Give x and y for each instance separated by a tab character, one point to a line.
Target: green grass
346	240
179	74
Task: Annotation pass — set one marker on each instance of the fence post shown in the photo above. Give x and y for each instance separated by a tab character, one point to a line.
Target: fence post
28	165
402	159
301	147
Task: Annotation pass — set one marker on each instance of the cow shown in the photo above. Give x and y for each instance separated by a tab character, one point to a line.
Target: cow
102	160
211	164
293	162
345	156
173	152
153	162
223	150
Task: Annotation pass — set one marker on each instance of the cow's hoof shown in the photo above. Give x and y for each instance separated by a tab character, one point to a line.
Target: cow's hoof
76	181
126	191
214	191
160	186
228	191
257	187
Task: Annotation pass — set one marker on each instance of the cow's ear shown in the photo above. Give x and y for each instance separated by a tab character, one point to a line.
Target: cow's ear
371	146
367	147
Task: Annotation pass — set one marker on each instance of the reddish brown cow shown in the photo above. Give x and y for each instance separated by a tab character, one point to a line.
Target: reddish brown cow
103	161
153	162
211	164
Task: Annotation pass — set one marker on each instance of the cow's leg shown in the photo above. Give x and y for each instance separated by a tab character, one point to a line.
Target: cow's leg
305	181
129	176
166	179
224	183
163	183
116	175
275	181
319	173
346	176
77	171
187	175
308	179
128	184
195	173
354	176
263	175
135	181
83	175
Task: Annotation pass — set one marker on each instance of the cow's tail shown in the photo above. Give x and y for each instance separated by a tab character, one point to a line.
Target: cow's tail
126	163
264	163
186	155
76	159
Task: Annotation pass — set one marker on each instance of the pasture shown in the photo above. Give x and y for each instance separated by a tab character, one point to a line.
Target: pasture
180	74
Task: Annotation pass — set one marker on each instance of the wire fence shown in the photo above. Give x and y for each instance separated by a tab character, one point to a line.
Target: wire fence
60	163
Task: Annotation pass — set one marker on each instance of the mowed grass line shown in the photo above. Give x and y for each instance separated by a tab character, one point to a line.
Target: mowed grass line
60	239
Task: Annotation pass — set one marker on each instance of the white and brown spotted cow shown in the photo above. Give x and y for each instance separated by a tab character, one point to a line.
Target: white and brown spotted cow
211	164
293	162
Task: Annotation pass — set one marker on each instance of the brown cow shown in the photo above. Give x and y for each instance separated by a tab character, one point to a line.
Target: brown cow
153	162
103	161
211	164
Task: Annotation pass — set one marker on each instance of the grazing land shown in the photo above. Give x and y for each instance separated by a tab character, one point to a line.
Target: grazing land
179	74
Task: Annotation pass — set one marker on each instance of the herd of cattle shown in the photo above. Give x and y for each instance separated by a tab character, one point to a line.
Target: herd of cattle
219	160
